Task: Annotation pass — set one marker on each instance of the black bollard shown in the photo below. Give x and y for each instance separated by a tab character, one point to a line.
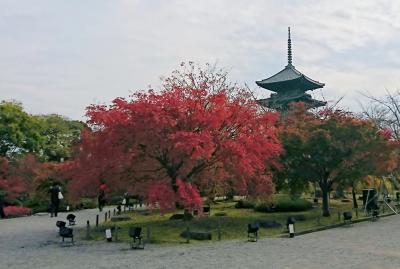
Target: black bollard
97	221
187	234
219	230
87	230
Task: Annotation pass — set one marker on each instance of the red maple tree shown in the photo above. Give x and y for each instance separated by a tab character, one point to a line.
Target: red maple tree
28	176
187	137
10	185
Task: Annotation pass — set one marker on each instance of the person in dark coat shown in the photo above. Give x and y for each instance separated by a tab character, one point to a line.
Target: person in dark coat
101	198
125	201
2	213
54	200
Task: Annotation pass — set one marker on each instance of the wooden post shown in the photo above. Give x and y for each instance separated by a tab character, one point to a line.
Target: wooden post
219	229
87	230
148	234
97	220
105	217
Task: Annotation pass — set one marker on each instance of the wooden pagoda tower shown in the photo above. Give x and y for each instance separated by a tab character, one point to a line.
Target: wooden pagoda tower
289	85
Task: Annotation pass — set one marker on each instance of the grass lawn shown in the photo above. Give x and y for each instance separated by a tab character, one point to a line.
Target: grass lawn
233	225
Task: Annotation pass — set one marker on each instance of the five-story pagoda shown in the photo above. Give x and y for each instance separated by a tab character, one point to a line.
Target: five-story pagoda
289	86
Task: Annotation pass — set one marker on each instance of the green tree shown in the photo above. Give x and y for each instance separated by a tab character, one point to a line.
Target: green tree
49	137
330	148
58	135
19	132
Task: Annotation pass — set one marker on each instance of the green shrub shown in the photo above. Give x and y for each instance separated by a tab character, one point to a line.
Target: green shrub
244	204
289	205
264	207
40	208
284	205
38	205
86	203
115	199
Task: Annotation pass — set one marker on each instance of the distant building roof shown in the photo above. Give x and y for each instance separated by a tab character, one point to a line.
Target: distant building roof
289	79
290	85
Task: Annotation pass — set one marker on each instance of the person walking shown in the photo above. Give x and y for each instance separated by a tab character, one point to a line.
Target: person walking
101	199
2	213
125	201
54	191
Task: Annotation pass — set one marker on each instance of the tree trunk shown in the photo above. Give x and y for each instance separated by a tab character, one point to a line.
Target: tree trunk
174	185
325	202
353	192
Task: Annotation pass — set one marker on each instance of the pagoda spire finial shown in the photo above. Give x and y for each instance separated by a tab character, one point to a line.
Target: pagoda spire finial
289	43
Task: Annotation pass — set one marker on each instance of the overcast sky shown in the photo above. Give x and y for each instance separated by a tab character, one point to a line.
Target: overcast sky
61	56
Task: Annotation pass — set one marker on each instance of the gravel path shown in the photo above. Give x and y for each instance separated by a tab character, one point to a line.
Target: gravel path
32	242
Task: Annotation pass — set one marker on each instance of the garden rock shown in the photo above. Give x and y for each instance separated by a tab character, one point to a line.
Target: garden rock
220	214
177	217
197	235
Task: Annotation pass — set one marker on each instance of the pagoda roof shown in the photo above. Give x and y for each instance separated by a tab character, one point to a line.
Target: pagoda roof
282	102
289	79
290	86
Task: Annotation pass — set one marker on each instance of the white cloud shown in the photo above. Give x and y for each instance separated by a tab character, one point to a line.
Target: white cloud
60	56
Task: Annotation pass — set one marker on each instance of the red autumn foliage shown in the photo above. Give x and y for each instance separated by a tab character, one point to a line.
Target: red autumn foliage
160	193
97	162
33	172
10	185
386	133
16	211
189	195
187	132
